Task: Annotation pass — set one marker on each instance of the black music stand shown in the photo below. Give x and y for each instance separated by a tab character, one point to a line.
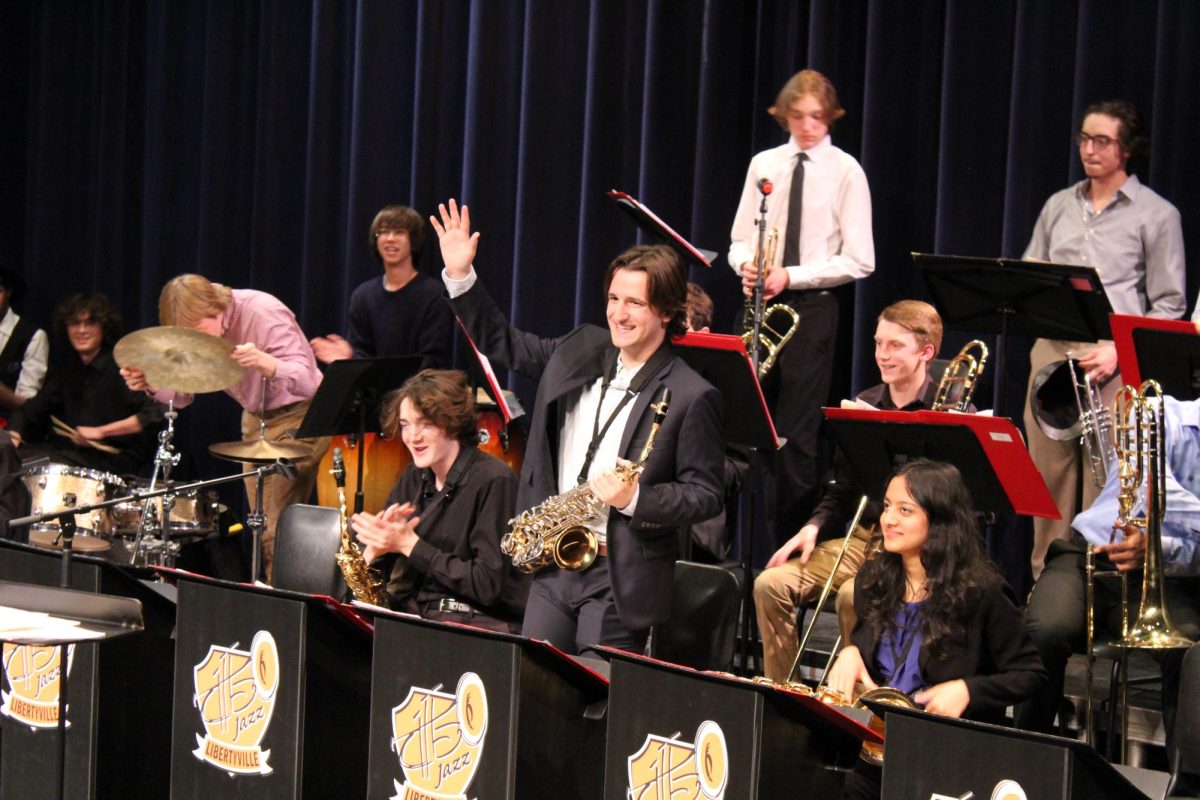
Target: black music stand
539	713
109	617
1008	296
763	742
930	755
650	224
348	399
107	709
722	360
988	451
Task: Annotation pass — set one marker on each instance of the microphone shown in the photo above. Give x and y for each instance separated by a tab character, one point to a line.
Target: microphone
765	186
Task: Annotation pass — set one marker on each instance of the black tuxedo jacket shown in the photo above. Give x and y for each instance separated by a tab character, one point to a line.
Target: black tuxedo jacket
682	481
998	660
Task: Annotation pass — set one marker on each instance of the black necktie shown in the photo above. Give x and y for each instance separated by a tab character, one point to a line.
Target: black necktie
791	242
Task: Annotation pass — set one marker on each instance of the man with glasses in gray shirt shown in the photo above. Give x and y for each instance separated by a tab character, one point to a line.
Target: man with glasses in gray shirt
1133	238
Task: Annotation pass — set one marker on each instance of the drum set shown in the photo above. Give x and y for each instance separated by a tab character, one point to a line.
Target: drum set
149	518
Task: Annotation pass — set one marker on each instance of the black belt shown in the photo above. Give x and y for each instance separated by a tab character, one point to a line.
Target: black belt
450	605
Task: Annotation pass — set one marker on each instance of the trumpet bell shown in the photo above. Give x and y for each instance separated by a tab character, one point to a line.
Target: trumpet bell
1053	400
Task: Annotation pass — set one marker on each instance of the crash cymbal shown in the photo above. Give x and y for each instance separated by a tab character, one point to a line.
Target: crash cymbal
180	359
259	451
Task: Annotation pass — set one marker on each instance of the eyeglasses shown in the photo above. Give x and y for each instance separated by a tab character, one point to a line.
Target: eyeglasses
1100	142
379	234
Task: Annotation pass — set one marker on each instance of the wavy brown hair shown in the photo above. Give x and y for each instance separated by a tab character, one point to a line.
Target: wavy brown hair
443	397
666	281
956	569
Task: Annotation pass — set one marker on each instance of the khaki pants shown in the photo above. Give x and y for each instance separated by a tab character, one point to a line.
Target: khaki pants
278	491
1061	463
779	590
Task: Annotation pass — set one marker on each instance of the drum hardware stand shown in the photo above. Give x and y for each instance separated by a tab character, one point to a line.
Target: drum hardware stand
165	458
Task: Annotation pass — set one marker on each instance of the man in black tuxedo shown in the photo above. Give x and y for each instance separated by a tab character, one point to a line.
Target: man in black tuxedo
595	388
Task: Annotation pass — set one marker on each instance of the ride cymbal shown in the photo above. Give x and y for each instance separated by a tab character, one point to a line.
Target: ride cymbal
180	359
259	451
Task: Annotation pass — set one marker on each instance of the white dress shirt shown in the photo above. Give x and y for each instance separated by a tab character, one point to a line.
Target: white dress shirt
33	364
836	242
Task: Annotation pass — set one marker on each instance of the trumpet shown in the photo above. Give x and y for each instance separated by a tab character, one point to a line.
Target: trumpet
779	322
1067	405
963	372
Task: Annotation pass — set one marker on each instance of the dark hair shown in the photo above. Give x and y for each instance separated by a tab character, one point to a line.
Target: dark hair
398	218
699	307
666	281
1128	125
443	397
807	81
956	569
94	305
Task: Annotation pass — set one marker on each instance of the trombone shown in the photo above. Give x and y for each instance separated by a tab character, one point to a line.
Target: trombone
963	371
1141	462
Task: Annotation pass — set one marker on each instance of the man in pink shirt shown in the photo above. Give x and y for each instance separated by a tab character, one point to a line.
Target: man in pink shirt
281	377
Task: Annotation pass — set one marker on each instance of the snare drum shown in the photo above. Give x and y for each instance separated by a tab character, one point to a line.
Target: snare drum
55	486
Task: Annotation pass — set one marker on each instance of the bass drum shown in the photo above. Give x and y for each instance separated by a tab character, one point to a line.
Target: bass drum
383	461
506	443
55	486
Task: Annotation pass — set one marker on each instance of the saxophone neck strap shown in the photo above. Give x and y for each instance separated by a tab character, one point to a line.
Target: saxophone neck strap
648	370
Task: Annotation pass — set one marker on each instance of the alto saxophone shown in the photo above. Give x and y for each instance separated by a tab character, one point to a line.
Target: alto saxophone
364	583
554	531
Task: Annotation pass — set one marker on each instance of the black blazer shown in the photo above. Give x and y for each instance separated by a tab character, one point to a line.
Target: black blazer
682	481
998	661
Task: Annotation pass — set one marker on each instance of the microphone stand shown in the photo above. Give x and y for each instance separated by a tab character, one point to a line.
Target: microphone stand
749	621
760	277
66	529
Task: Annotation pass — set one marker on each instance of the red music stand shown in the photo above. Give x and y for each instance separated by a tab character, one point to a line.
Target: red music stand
1167	350
988	451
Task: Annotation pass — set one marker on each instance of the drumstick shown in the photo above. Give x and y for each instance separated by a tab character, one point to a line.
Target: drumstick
65	430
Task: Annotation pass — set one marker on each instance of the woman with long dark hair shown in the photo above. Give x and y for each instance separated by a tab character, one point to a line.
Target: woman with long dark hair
935	619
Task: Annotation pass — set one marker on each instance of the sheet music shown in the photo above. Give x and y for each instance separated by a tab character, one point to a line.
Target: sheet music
31	627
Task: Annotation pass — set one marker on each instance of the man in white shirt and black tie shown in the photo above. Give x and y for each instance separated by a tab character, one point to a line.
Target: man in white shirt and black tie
820	208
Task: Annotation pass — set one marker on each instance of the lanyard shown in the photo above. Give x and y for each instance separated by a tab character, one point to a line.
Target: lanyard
661	356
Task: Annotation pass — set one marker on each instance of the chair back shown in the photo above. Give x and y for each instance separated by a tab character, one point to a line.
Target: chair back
702	629
1187	717
307	539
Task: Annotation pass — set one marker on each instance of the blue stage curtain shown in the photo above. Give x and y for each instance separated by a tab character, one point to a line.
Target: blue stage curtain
253	141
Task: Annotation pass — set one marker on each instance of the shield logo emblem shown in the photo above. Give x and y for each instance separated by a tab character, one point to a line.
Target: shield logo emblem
33	680
668	768
439	739
235	695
